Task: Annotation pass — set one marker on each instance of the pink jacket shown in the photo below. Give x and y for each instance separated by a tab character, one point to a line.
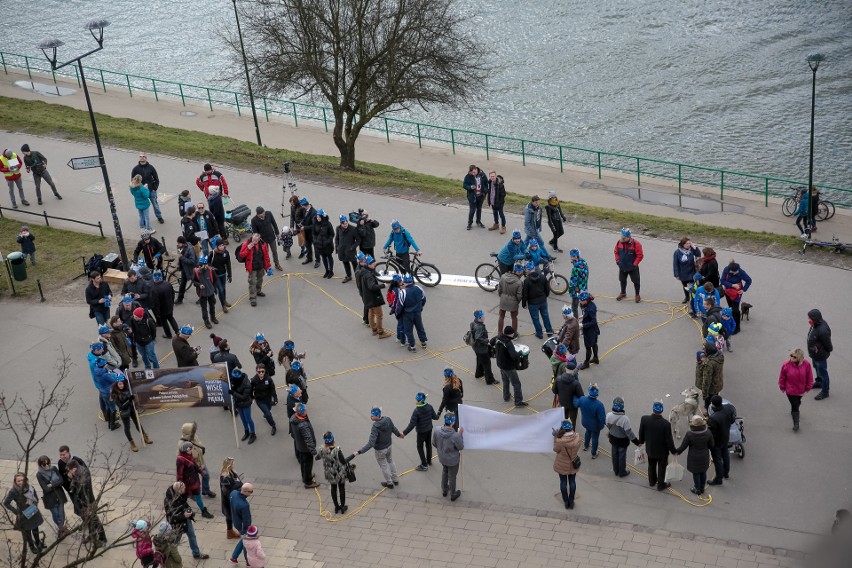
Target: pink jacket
796	379
254	552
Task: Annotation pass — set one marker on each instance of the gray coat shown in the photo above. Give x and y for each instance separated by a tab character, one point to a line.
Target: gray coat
380	435
511	291
449	444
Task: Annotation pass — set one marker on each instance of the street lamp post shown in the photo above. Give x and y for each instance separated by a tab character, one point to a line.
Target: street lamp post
248	80
50	45
813	63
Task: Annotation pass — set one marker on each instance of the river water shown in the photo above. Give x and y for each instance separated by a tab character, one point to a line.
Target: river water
717	83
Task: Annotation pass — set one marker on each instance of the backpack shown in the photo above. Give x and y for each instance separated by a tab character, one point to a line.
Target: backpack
468	336
94	263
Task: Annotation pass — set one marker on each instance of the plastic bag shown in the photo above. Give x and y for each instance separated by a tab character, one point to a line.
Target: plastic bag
674	471
639	456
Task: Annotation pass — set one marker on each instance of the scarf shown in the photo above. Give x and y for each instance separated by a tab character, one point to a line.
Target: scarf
553	201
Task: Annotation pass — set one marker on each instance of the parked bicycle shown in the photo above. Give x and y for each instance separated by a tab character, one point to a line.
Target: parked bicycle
425	273
172	274
487	276
825	208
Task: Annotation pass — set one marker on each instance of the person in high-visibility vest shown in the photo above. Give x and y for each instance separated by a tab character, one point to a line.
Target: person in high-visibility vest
11	165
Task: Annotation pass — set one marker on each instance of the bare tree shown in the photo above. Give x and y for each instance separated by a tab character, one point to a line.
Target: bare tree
29	423
365	57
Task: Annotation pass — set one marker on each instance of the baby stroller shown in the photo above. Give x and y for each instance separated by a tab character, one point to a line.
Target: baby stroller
236	221
737	440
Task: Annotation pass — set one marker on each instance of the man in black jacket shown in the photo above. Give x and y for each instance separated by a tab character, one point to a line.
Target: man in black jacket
264	223
220	262
137	288
819	348
187	261
656	433
480	348
496	197
162	298
534	297
144	330
185	354
151	249
150	179
567	388
206	222
263	390
507	362
180	515
310	217
719	424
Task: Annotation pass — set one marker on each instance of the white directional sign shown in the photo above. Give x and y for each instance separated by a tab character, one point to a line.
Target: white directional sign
84	163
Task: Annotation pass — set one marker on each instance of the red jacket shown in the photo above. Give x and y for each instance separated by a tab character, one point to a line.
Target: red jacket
187	471
212	179
11	168
628	255
246	255
795	379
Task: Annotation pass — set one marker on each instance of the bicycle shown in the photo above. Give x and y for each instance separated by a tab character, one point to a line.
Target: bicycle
825	208
172	275
425	273
487	276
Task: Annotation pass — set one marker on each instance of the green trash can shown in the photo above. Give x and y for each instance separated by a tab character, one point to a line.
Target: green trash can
17	261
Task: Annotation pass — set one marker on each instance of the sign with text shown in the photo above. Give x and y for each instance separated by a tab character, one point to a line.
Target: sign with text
84	163
206	385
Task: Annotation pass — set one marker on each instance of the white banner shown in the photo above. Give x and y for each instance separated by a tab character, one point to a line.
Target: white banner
490	430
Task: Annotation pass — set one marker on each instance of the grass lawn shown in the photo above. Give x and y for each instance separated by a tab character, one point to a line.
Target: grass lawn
37	117
58	254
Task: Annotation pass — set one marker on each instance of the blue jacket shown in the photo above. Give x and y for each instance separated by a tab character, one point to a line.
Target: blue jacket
240	511
592	410
140	197
401	241
532	221
91	358
683	263
802	210
728	280
414	299
698	304
729	325
512	252
539	256
103	380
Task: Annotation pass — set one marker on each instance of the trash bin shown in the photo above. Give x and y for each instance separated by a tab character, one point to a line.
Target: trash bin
17	261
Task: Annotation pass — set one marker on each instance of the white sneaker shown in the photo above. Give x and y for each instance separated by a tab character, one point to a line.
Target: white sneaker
804	236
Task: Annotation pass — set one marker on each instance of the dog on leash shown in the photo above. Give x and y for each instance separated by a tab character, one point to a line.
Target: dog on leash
745	308
685	409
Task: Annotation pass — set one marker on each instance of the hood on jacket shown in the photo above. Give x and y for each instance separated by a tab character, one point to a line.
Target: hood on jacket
383	424
188	429
815	315
446	432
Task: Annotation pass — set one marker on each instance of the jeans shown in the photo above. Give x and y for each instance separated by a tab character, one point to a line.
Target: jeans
205	247
107	405
821	368
144	219
410	321
566	483
802	222
255	283
58	514
475	208
619	460
101	317
634	277
149	358
267	413
424	447
657	472
385	460
448	478
483	367
511	376
12	184
37	177
152	197
220	288
190	534
700	480
535	310
245	418
721	461
591	437
205	480
239	549
498	211
199	501
208	307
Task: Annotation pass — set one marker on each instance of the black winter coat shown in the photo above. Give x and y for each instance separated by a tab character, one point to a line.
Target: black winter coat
188	227
212	226
819	337
175	505
452	398
507	356
267	227
499	193
555	218
124	401
241	391
149	175
371	289
149	250
93	296
656	433
699	440
720	423
566	387
421	418
346	243
323	236
367	233
138	287
709	270
303	435
264	389
144	330
535	289
480	337
51	483
185	355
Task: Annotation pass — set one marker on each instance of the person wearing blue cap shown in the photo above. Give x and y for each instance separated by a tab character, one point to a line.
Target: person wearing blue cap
656	433
366	233
403	242
453	393
513	251
263	390
111	355
566	445
620	436
735	282
241	396
413	302
185	354
568	389
535	291
305	225
479	344
421	420
476	185
371	296
336	467
591	330
594	418
569	333
730	327
255	254
162	298
118	337
324	243
381	440
628	255
579	279
449	443
346	241
305	442
510	288
205	284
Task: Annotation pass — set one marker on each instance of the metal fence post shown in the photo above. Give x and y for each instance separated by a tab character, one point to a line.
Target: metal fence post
487	157
154	84
638	174
679	177
237	98
387	132
46	219
722	186
265	109
129	89
27	63
766	192
599	165
3	60
560	160
182	99
419	142
523	153
101	229
209	102
453	139
295	116
103	81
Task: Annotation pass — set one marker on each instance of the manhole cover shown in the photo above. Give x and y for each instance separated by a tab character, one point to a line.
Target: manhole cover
187	113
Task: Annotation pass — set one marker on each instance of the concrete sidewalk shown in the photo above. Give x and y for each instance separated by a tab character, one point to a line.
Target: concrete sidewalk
399	530
739	210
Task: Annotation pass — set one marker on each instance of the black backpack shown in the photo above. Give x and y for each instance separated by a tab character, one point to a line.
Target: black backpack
94	263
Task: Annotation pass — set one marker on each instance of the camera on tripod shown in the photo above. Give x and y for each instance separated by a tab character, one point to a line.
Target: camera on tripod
286	167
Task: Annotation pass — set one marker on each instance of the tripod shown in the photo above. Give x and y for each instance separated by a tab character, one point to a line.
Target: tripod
288	183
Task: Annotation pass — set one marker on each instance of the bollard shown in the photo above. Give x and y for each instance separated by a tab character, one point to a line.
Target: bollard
40	292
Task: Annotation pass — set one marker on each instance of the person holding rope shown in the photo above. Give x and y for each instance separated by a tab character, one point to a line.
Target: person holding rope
126	402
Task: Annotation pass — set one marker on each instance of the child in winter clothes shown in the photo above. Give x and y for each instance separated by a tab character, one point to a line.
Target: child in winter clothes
285	239
144	544
394	298
27	242
730	325
693	291
334	467
255	556
166	544
421	419
593	417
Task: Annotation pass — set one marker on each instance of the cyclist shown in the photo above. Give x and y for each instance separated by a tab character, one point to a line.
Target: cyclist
151	250
514	251
538	255
402	241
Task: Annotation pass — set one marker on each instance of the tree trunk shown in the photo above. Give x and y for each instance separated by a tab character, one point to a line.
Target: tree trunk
347	155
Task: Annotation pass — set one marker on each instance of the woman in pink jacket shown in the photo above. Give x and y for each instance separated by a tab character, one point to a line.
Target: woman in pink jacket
796	379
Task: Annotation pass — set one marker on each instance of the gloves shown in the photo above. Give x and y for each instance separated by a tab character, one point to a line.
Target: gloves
229	279
269	271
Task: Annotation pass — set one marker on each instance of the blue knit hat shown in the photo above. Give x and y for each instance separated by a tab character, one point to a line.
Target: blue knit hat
516	234
518	267
96	345
567	425
566	311
478	314
574	253
396	278
448	372
369	260
594	391
407	279
533	243
127	298
296	366
259	336
376	411
584	296
449	418
157	276
187	330
618	404
727	312
320	212
530	266
625	232
657	407
343	219
103	328
420	397
697	277
395	225
561	348
236	374
291	390
328	438
288	344
303	201
360	255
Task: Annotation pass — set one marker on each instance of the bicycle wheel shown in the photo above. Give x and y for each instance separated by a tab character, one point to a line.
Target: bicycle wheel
558	284
789	206
386	270
822	211
831	209
487	276
427	274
